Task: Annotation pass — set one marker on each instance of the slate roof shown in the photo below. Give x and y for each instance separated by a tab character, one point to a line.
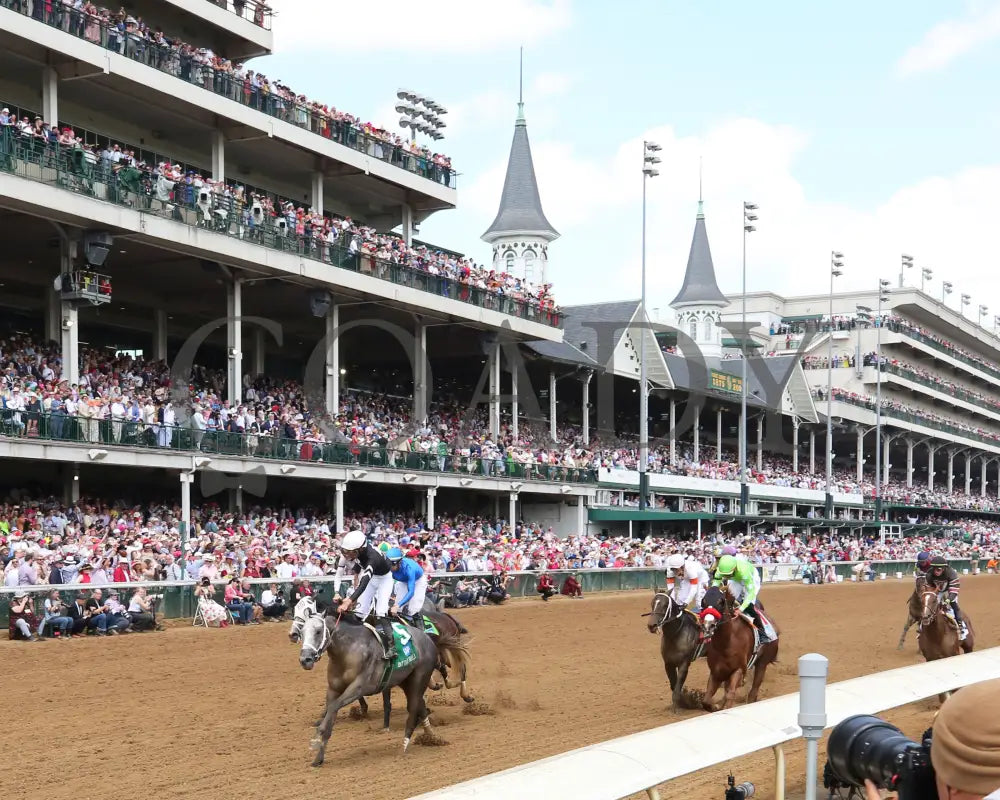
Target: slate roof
700	286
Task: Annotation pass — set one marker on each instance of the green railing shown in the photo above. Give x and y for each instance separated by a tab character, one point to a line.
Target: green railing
220	77
251	10
956	391
958	355
71	168
179	601
61	427
916	419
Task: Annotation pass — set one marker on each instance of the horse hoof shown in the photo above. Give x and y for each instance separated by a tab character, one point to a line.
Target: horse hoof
317	762
435	687
384	730
406	743
469	699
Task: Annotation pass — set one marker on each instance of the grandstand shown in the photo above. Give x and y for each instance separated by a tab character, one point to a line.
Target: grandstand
252	257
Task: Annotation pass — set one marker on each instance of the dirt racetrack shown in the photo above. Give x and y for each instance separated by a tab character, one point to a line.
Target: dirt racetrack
227	713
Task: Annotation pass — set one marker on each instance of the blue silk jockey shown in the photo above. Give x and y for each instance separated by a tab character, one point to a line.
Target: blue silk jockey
923	564
743	582
411	584
687	581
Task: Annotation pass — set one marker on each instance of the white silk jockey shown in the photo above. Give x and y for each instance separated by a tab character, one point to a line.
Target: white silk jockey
687	581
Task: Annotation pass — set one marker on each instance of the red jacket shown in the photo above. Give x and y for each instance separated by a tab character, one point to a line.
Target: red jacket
546	582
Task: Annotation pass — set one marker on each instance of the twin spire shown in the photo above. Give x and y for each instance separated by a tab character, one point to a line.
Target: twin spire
520	212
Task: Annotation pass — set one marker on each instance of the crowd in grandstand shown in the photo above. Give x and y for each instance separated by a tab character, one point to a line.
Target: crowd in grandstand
133	37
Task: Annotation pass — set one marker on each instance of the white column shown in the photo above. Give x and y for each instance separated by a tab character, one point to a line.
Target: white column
407	218
697	433
420	373
886	441
968	474
187	478
760	443
338	504
236	498
931	450
718	435
317	192
431	494
585	406
234	340
218	156
512	509
159	335
982	476
861	455
514	410
909	463
69	328
812	452
795	445
50	96
495	391
581	515
258	352
71	485
673	431
552	405
332	344
951	469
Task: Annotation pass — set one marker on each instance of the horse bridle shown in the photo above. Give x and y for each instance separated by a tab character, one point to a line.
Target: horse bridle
928	592
666	617
324	641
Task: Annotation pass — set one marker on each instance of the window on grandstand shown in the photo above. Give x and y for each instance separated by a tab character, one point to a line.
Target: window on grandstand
529	261
693	329
129	353
708	329
508	259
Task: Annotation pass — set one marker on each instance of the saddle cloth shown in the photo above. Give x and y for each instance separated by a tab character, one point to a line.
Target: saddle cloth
769	629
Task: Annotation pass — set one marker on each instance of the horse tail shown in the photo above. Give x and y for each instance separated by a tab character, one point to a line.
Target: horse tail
458	625
457	652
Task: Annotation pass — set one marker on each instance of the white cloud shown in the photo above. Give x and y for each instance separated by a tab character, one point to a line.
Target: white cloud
549	84
453	26
945	222
952	39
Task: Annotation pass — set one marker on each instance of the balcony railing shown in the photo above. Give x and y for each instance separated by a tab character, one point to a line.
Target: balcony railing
258	13
918	419
955	391
74	169
34	425
221	77
958	355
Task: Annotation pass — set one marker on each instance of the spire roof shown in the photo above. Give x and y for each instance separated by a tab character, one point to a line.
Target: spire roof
520	212
700	286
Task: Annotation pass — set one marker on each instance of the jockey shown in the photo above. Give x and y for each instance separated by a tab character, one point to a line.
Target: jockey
945	579
923	563
374	585
743	582
687	581
719	552
411	583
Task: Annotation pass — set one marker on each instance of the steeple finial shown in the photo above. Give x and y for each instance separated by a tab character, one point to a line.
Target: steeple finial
701	211
520	88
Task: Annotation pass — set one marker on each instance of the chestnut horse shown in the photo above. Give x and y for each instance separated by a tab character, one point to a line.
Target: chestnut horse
914	609
938	632
730	649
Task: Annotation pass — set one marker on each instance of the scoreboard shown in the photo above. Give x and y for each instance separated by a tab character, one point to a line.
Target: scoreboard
724	382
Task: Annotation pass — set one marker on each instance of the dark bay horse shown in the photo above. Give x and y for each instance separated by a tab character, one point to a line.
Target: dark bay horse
680	633
730	649
938	635
356	669
914	609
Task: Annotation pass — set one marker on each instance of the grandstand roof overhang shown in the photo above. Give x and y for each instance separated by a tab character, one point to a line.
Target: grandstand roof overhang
175	113
227	33
937	317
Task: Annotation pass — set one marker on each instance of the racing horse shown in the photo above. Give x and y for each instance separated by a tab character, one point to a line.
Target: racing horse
914	608
937	635
452	655
356	669
679	639
730	650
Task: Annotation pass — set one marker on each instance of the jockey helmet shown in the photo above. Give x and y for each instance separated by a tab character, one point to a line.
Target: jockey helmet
729	550
394	554
923	557
355	540
717	552
383	548
727	566
675	562
938	563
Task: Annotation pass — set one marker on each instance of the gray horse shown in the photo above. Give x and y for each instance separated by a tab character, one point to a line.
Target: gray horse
356	669
678	641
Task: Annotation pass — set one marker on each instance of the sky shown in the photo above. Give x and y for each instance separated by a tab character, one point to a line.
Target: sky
867	128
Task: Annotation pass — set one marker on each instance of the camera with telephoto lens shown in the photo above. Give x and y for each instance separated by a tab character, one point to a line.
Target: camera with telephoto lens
741	792
863	747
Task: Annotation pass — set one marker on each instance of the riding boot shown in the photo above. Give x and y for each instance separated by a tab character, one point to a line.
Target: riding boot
384	627
962	630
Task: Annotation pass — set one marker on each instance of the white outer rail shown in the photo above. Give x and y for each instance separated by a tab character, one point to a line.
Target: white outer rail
642	761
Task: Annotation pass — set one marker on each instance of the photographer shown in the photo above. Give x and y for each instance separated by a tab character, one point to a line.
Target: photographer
273	602
965	747
141	609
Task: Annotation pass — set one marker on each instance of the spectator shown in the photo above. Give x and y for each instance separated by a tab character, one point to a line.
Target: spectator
211	611
241	610
97	618
77	611
546	586
56	618
273	603
141	609
571	587
117	614
496	587
466	593
23	623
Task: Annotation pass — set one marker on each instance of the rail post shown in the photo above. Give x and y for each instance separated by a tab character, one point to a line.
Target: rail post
813	669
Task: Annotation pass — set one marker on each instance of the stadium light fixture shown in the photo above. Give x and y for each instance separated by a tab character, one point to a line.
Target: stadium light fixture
287	469
97	455
983	311
907	263
420	114
925	275
649	161
749	218
946	289
836	270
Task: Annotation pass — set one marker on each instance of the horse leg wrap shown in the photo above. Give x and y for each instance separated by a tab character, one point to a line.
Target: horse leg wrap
406	743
